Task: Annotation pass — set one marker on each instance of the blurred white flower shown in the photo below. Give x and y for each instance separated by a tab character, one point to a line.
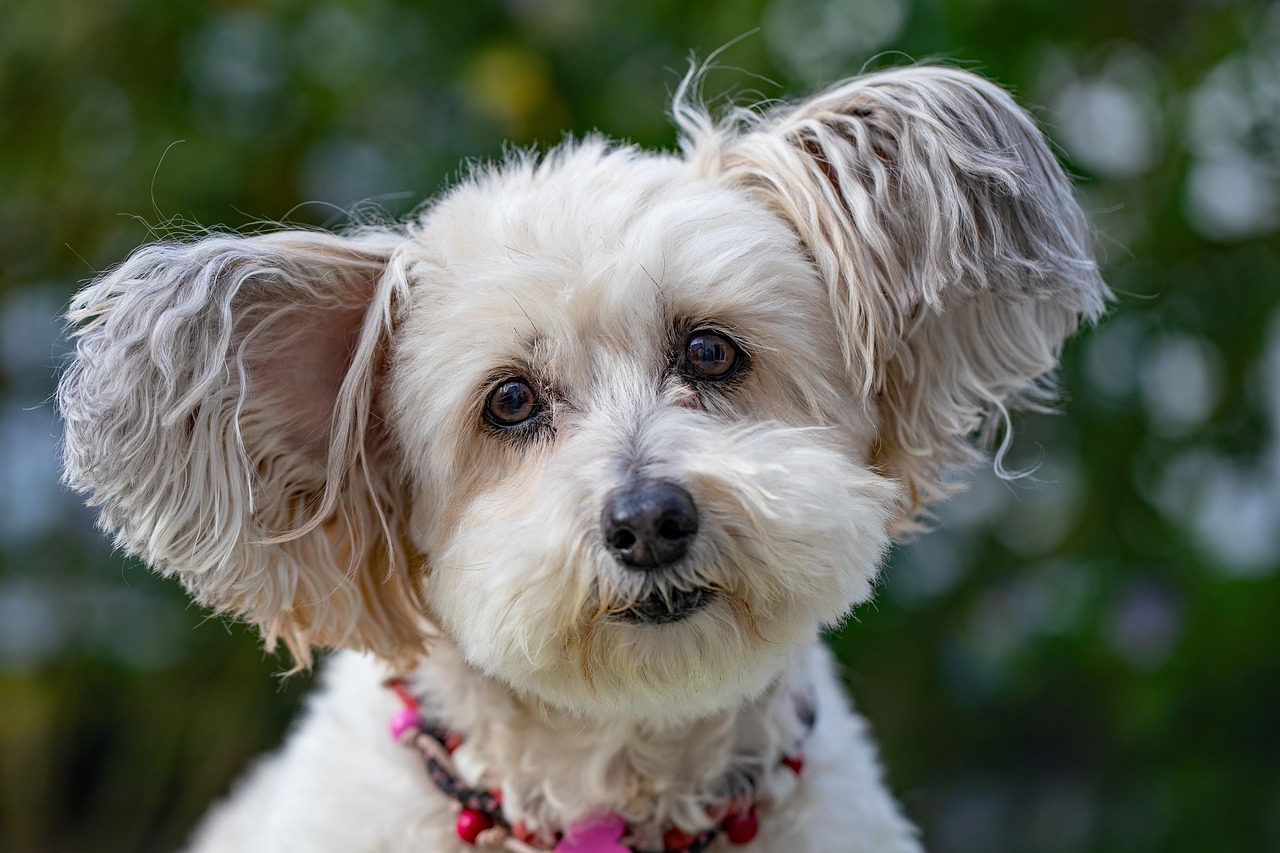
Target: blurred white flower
1180	378
1107	113
1233	118
822	40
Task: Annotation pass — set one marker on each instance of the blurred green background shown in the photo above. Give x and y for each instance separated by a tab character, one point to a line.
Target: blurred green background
1084	660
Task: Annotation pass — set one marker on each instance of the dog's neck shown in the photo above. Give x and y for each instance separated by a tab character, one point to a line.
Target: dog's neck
554	768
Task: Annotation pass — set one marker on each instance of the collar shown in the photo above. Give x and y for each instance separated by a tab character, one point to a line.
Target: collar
482	822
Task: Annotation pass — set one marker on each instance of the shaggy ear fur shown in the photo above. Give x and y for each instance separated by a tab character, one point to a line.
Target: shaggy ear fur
956	257
220	409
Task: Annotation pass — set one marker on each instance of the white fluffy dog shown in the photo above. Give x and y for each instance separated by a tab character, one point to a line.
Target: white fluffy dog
581	461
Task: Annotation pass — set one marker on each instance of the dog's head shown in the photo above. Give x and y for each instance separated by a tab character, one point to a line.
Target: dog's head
625	427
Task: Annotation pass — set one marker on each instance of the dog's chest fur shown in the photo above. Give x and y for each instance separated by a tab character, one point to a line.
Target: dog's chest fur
342	783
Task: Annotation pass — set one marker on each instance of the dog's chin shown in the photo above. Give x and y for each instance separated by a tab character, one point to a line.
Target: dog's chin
668	658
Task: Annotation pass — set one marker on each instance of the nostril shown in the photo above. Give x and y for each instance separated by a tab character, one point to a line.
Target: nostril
672	528
622	539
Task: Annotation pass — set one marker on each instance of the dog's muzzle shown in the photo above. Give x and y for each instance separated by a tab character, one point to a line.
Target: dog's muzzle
650	525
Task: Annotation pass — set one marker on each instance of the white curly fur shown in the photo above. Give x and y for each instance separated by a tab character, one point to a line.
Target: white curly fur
292	425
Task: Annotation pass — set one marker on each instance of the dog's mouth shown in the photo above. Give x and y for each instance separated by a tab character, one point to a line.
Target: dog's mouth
662	607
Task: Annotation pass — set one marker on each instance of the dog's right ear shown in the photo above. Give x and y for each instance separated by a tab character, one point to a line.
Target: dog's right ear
221	410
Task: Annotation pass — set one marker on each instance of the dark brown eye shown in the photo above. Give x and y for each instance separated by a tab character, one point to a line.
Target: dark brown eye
511	402
711	355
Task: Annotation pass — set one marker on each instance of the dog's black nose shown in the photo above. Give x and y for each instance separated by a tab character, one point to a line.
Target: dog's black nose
650	524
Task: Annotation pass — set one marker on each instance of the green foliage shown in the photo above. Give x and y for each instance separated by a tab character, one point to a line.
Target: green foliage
1081	660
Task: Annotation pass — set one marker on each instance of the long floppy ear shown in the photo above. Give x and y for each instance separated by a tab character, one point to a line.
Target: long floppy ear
956	257
221	410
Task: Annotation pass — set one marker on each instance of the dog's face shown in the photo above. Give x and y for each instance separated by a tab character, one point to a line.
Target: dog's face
625	427
638	469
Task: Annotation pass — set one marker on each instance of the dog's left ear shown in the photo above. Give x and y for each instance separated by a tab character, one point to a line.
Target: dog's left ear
955	255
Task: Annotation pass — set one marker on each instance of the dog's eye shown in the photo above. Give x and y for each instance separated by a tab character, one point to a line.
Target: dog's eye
511	402
711	355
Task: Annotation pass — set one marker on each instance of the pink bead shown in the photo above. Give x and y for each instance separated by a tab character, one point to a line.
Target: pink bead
404	720
600	833
471	823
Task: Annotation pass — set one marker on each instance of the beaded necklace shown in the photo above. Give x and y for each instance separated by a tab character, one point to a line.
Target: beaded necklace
480	818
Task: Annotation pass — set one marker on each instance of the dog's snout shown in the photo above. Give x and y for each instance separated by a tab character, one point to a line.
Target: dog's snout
650	524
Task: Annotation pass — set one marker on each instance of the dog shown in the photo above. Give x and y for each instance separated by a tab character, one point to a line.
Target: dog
574	466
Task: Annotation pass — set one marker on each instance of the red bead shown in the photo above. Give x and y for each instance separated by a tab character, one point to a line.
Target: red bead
741	828
524	833
452	741
675	839
471	823
794	761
